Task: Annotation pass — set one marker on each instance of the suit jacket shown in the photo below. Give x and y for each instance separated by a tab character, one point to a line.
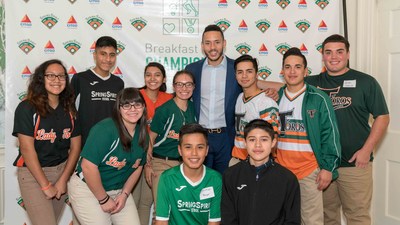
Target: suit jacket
232	91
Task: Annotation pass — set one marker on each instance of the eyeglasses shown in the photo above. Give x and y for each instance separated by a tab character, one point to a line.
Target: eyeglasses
52	77
136	105
181	85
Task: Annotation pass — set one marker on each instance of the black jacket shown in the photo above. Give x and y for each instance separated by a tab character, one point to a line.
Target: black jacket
270	197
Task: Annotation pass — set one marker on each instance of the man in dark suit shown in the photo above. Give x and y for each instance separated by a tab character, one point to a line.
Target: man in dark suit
215	96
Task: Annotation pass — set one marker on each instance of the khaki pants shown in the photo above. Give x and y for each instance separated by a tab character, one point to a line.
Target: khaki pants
312	210
41	211
88	210
352	192
233	161
143	199
159	166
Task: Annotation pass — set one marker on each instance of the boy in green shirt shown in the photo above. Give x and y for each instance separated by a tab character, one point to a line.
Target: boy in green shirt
190	193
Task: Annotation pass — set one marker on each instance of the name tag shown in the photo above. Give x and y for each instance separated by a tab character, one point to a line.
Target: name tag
349	83
206	193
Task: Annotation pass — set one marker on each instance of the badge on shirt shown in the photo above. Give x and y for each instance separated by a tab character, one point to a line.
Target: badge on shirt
349	83
206	193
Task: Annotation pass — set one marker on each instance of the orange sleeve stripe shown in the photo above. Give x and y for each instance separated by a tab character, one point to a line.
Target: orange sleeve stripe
296	133
291	140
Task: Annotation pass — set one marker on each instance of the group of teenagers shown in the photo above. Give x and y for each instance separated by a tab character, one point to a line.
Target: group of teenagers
224	148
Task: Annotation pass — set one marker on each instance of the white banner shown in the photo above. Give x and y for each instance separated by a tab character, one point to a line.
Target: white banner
167	31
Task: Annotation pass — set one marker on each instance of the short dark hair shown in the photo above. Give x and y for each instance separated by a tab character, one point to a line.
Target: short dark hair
106	41
296	52
247	58
336	38
212	27
192	128
260	124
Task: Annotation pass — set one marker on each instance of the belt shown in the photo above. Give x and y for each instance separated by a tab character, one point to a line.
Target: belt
155	155
216	130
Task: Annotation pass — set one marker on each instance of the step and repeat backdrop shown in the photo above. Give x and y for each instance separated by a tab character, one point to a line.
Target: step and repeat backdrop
165	31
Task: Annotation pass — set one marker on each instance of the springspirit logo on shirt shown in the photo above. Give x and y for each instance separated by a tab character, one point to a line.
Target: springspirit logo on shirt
193	206
43	136
113	161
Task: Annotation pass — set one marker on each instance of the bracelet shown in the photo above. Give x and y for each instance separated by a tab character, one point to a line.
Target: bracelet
46	187
104	200
125	194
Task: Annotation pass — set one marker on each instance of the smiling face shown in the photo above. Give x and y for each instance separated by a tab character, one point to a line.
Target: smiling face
259	144
213	45
183	86
105	58
131	116
55	87
294	72
153	78
193	149
246	74
335	57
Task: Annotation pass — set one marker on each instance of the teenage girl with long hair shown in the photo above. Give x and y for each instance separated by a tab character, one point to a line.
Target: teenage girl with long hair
154	95
111	163
49	142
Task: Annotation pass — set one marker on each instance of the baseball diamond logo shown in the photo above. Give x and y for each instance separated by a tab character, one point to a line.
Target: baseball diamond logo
282	48
26	45
309	70
20	202
138	23
72	46
26	22
263	25
116	2
263	4
94	22
322	3
263	50
243	3
318	47
303	25
243	48
120	47
26	73
283	3
264	72
21	96
72	22
224	24
49	20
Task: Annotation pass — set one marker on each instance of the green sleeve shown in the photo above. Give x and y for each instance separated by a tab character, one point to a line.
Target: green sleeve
215	209
330	141
99	143
159	120
163	204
